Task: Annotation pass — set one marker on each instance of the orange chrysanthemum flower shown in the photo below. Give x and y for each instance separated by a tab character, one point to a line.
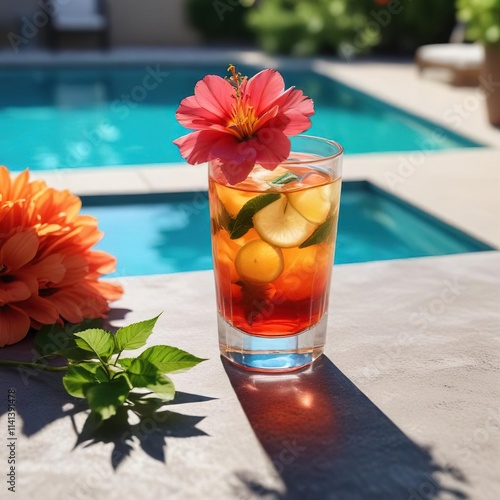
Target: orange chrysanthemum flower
48	272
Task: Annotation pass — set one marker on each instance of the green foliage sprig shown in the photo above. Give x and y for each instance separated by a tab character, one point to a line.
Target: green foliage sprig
96	370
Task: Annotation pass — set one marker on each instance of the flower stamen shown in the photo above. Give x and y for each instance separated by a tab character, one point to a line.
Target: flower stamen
242	122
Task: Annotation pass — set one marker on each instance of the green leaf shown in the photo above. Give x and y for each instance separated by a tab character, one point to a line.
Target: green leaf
125	362
169	359
106	397
321	234
223	218
135	335
285	178
243	221
97	341
60	341
142	373
79	377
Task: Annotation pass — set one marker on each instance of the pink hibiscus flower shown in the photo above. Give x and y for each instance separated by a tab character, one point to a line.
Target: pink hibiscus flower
242	122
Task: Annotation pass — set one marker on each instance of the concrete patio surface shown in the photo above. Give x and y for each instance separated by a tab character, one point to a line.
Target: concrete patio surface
404	404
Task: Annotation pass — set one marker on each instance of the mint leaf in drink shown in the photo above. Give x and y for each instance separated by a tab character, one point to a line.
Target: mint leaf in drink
243	222
135	335
105	398
169	359
321	234
223	219
97	341
285	178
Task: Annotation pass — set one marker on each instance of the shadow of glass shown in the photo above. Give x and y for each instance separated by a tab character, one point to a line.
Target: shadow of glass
327	440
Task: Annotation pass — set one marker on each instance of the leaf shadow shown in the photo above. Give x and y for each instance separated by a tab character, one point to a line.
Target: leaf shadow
326	439
41	400
148	433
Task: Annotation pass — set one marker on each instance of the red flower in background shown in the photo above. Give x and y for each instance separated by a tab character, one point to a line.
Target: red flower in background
48	272
242	122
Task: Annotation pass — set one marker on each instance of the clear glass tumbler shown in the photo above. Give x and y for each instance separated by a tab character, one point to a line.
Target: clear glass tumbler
273	243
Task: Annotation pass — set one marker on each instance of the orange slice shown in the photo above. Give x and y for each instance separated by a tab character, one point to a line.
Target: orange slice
259	261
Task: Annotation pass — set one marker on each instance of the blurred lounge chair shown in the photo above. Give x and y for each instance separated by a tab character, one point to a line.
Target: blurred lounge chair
463	61
79	17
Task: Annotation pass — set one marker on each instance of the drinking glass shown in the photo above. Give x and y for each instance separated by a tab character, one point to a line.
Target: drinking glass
273	243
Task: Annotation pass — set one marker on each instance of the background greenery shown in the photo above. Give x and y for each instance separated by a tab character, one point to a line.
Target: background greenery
345	27
482	18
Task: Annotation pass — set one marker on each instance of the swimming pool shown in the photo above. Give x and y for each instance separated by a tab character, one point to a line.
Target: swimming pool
167	233
87	117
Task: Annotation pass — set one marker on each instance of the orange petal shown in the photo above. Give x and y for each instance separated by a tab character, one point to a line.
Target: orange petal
101	262
39	309
18	189
14	325
13	291
110	291
67	304
50	269
18	250
4	184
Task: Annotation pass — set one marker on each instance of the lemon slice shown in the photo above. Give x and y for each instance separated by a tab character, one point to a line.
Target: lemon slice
314	203
281	225
259	262
232	199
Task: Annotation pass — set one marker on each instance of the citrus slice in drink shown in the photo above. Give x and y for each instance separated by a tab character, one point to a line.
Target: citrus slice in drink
314	203
233	199
281	225
259	261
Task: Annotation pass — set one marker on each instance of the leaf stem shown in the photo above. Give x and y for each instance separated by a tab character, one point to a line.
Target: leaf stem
117	358
38	366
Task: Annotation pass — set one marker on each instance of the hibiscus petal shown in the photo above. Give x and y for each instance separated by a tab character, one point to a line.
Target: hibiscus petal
236	158
18	250
269	148
295	99
40	309
268	118
192	116
294	111
263	88
14	325
236	172
216	95
294	122
13	291
273	147
196	146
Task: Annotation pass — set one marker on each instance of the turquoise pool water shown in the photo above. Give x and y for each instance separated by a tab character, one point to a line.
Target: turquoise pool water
171	233
71	118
